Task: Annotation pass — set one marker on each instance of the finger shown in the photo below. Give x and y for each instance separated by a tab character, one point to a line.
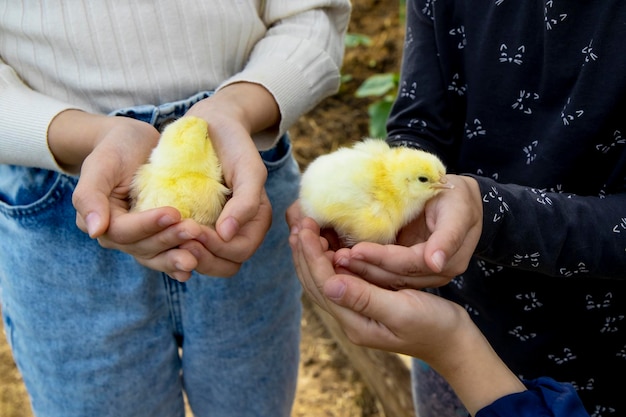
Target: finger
93	217
389	266
391	281
315	268
451	246
210	264
367	310
412	322
248	195
446	240
371	259
455	220
128	228
241	208
294	216
177	263
247	239
348	299
153	247
350	306
368	300
310	224
308	241
328	237
91	200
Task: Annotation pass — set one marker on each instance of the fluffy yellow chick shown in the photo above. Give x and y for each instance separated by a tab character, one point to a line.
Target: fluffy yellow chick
183	172
369	191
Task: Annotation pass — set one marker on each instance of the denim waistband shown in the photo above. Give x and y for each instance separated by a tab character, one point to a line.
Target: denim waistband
161	115
164	114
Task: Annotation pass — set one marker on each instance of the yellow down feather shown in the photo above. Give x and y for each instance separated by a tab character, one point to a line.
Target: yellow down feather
369	191
183	172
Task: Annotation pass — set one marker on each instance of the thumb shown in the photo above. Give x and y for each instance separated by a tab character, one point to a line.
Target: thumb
441	246
456	223
294	216
239	210
91	201
360	296
247	179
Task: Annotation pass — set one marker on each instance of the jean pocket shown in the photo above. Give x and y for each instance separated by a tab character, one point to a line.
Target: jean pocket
27	191
277	156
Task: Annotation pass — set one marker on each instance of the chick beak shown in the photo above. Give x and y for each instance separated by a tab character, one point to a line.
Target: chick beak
442	184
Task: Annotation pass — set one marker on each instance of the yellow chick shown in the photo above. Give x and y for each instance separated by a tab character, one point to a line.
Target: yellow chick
183	172
369	191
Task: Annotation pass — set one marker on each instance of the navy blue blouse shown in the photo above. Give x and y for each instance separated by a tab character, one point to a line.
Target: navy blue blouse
529	98
544	398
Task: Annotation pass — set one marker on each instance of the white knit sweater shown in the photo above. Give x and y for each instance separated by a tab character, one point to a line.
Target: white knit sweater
103	55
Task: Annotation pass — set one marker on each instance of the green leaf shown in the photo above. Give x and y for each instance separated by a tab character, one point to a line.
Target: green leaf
402	12
378	85
379	113
355	39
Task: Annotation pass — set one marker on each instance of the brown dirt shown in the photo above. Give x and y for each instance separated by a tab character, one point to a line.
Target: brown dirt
328	386
342	119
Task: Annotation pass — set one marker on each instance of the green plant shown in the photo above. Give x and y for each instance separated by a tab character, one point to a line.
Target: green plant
384	86
355	39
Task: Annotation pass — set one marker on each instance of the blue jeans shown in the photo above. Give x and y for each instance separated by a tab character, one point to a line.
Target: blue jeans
96	334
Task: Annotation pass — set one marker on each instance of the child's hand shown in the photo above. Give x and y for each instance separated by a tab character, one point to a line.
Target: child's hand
431	250
412	322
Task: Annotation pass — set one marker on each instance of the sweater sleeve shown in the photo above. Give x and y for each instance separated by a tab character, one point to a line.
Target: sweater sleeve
544	397
27	115
565	232
299	58
557	234
422	113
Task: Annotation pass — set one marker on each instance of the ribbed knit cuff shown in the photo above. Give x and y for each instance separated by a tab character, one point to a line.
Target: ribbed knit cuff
24	130
289	77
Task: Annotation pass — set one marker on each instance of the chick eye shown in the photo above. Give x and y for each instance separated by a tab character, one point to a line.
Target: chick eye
422	179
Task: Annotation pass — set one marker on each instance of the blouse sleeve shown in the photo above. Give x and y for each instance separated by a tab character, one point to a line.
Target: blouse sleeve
557	234
421	115
544	397
544	230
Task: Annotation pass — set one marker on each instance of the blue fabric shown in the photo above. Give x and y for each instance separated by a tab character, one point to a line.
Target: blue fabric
160	116
96	334
528	98
544	398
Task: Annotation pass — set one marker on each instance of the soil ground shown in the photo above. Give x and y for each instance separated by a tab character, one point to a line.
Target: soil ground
328	386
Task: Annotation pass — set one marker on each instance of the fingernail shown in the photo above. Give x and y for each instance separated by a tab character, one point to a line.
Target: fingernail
295	230
166	221
439	259
293	241
342	262
202	238
335	289
93	222
185	235
228	229
180	276
357	256
180	268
